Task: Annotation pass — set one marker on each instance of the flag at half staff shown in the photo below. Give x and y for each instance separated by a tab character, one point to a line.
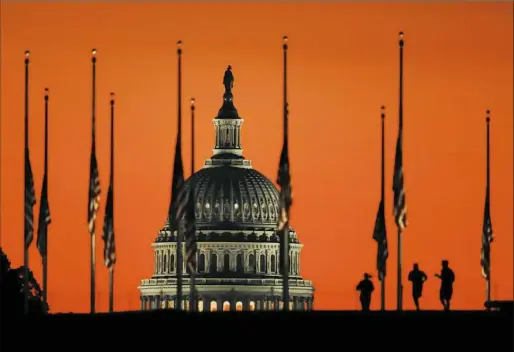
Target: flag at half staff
284	181
44	219
108	234
30	200
94	190
400	205
380	235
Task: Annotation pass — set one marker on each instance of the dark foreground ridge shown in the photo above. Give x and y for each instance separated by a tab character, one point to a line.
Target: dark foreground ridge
343	329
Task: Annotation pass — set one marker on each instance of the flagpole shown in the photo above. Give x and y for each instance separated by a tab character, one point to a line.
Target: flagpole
382	195
25	237
111	268
400	286
92	253
285	239
180	260
488	281
192	286
45	256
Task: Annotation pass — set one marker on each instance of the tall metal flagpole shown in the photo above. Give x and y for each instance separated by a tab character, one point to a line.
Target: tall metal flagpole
180	260
92	292
382	195
285	240
25	233
400	286
488	280
45	256
111	268
192	286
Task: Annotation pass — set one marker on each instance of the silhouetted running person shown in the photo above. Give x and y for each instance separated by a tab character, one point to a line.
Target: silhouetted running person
366	287
417	277
447	278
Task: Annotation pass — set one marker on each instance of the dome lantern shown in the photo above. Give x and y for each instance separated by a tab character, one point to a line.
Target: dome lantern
227	125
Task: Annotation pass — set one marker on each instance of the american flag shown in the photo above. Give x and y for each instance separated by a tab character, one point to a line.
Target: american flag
30	201
44	219
187	213
380	235
94	191
487	239
182	208
400	205
108	234
284	181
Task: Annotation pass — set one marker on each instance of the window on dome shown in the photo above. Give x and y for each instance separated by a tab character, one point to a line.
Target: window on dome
226	262
201	262
251	262
263	263
200	305
214	306
214	263
226	306
252	306
240	264
239	306
172	263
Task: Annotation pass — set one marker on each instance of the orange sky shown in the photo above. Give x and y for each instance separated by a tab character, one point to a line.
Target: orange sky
343	66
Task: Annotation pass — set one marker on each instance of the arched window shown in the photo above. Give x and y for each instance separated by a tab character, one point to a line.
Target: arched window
226	262
214	263
201	263
172	263
164	263
239	307
251	262
263	263
239	263
252	306
226	306
200	305
273	264
214	306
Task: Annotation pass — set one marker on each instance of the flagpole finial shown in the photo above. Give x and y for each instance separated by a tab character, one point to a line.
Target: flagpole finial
401	35
179	47
93	55
27	56
285	39
112	98
488	118
192	103
382	108
46	93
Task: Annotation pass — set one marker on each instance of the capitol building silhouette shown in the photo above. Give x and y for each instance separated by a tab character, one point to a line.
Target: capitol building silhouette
238	256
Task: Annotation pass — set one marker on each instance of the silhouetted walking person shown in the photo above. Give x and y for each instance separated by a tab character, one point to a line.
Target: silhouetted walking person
447	278
366	287
418	278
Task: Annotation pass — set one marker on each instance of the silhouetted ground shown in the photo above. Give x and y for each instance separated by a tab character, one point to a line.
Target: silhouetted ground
344	330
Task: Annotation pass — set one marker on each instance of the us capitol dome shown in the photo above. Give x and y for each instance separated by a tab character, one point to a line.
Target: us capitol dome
238	248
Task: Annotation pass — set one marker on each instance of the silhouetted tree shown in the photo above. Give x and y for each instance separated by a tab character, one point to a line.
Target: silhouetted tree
12	284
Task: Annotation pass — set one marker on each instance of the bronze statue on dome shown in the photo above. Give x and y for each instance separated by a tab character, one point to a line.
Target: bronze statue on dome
228	79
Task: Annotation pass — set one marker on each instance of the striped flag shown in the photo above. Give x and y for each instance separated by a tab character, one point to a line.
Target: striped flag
487	239
30	200
186	211
94	191
44	219
380	235
108	234
400	205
